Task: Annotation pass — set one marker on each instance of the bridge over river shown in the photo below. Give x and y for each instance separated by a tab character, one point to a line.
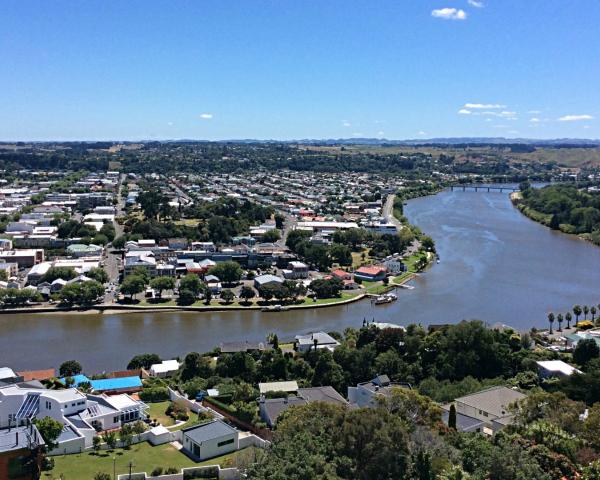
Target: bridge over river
485	188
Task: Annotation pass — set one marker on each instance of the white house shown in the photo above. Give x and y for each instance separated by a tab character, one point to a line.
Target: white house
555	368
164	369
210	440
366	394
318	339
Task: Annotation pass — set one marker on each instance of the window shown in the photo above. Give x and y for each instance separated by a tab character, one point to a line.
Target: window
73	404
225	442
485	414
48	405
116	420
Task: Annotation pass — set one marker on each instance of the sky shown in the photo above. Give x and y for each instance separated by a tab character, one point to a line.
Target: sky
293	69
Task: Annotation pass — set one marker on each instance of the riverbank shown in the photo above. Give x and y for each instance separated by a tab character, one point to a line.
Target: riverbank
544	219
116	308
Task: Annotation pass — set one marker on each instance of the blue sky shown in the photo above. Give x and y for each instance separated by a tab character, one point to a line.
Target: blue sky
283	69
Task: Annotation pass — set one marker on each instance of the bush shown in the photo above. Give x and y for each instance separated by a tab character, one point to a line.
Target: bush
156	394
157	472
177	411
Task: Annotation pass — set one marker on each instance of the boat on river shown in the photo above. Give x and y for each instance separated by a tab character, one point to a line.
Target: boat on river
274	308
386	298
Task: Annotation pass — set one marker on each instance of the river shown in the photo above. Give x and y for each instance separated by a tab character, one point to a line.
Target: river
496	265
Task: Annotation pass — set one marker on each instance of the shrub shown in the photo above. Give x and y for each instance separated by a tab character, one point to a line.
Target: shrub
155	394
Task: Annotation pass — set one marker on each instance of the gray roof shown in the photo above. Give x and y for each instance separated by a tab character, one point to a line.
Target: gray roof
232	347
268	278
273	407
493	400
68	433
464	423
17	438
208	431
322	394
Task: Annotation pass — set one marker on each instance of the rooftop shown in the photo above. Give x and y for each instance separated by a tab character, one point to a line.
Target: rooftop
209	431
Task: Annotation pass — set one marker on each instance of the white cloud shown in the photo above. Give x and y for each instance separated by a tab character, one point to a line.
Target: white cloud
575	118
534	120
380	134
475	3
513	132
484	105
464	111
422	133
206	116
449	13
346	123
357	134
534	112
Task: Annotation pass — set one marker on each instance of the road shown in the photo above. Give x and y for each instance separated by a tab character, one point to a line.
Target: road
112	261
388	211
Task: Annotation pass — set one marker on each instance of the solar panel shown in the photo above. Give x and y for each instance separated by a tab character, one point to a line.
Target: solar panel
30	406
94	410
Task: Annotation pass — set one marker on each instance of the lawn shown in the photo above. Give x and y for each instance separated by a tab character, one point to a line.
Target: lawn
144	456
376	288
357	260
157	411
321	301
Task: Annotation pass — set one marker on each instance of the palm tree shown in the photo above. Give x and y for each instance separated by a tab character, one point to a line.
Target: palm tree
568	318
593	311
586	310
551	321
559	319
577	312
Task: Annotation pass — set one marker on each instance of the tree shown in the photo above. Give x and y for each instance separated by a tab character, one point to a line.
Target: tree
100	239
191	282
227	296
586	310
207	295
143	273
70	368
326	288
162	283
577	311
593	311
132	285
228	272
247	293
452	417
195	365
126	435
50	430
144	360
279	220
98	274
585	351
110	438
54	273
3	276
551	321
96	442
559	320
568	318
119	242
271	236
186	297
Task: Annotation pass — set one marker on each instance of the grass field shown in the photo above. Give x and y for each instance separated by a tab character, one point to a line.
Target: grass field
157	411
144	457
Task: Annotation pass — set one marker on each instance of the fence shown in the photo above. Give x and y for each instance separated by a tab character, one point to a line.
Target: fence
208	471
263	433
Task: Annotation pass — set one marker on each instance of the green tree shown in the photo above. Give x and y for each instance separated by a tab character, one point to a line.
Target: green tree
585	351
247	293
110	438
559	320
228	272
161	284
144	360
452	417
132	285
586	310
227	296
50	430
70	368
186	297
98	274
3	276
271	236
577	311
96	442
593	312
143	273
54	273
568	318
192	283
551	321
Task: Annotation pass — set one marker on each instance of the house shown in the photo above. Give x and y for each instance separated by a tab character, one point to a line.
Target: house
394	265
245	346
24	258
367	394
267	280
210	440
213	284
177	243
372	273
272	408
11	268
315	340
489	406
296	270
383	227
555	368
21	453
141	258
164	369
